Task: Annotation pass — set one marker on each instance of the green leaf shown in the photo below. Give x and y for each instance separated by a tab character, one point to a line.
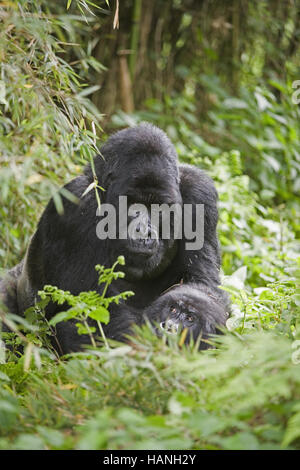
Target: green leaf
100	314
293	430
240	441
83	330
62	316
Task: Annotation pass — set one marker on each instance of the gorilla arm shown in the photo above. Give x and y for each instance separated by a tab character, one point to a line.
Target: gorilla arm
52	255
199	268
8	289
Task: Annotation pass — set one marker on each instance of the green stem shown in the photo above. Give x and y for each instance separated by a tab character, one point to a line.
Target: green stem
90	333
103	335
109	281
135	30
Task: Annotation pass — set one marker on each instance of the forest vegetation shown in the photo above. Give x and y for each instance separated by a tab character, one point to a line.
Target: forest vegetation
222	79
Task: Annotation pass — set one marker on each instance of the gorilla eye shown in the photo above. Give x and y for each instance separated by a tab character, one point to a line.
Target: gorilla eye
190	318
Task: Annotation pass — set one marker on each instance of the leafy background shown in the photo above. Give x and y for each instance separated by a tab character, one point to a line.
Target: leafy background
219	80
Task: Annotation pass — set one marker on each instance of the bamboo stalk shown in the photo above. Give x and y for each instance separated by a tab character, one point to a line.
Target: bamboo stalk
135	33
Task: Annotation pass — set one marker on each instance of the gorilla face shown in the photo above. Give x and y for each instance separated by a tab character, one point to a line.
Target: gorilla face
191	308
147	184
146	257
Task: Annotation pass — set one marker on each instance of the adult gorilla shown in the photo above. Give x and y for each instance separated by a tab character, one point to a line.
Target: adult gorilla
140	163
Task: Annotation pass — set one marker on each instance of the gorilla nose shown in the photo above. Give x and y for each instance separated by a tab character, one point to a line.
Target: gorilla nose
149	242
169	326
144	230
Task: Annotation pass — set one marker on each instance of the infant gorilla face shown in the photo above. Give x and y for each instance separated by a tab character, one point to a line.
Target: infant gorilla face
196	309
180	316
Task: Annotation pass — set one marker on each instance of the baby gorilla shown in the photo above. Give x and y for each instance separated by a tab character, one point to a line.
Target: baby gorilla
197	308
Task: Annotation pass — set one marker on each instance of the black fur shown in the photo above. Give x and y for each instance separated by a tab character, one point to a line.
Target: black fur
139	162
195	307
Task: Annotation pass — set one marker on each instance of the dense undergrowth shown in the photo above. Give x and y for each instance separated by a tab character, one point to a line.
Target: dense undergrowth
245	393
